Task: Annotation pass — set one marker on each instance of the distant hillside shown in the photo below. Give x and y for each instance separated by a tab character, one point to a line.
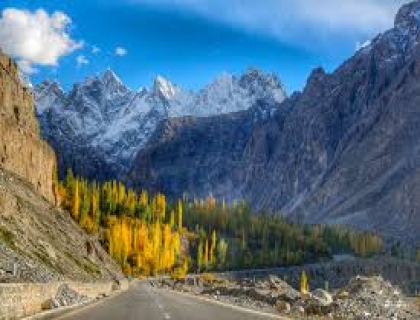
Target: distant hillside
345	150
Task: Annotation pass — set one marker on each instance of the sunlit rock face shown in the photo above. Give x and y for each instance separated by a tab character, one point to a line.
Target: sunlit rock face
21	149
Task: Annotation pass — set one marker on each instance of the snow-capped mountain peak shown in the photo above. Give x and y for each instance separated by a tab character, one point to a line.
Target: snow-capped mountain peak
408	16
164	88
110	75
48	86
398	43
263	85
107	117
224	79
49	94
113	83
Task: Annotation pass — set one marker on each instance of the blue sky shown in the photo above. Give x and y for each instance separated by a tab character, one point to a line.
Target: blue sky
188	41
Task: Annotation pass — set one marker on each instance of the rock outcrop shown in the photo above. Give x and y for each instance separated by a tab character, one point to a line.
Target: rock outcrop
21	149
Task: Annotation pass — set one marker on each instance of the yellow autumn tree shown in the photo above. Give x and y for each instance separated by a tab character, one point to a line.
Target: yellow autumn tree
165	252
304	285
76	201
180	213
206	253
143	200
213	248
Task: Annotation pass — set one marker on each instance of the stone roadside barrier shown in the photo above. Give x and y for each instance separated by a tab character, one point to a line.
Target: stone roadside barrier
18	300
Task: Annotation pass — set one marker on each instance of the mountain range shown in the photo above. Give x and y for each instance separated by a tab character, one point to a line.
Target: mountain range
100	125
345	150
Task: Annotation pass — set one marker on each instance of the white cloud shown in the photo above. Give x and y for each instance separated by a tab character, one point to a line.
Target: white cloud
294	21
36	38
95	50
120	51
81	60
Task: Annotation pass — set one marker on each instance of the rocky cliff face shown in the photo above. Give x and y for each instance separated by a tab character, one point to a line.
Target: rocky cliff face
38	242
21	149
345	150
196	157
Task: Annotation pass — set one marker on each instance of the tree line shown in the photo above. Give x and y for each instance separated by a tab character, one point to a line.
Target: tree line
148	235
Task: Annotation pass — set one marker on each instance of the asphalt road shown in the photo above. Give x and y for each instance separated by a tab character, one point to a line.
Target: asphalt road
144	302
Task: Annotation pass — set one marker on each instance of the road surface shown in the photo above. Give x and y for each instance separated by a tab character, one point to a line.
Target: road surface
144	302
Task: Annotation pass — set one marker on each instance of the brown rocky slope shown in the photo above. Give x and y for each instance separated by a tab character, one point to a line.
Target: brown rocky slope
38	242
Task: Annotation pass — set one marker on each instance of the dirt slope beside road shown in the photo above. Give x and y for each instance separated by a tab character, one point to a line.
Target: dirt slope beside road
40	243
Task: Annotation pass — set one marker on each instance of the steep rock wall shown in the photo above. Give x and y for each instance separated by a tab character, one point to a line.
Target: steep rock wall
21	149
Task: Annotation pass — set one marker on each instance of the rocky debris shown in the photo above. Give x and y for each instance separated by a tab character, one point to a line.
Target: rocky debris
65	297
336	274
363	298
283	306
284	290
372	298
267	292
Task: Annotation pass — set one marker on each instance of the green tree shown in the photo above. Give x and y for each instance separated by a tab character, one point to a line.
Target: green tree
200	255
222	248
213	248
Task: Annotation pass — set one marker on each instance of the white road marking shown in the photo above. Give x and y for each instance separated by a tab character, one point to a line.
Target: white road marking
166	315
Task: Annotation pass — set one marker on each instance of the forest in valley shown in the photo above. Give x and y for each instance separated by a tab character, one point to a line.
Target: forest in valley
148	235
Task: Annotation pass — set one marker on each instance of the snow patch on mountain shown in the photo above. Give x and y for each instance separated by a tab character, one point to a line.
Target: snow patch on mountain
117	122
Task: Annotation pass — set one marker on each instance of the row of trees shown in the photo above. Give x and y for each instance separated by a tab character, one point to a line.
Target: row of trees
148	234
266	240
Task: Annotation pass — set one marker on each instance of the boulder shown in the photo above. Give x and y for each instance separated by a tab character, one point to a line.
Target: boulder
49	304
283	306
321	297
283	289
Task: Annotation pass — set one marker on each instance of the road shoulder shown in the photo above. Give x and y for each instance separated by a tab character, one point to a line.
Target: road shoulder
226	305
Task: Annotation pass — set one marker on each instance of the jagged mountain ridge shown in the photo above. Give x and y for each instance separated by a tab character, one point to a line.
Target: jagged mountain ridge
98	127
344	150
